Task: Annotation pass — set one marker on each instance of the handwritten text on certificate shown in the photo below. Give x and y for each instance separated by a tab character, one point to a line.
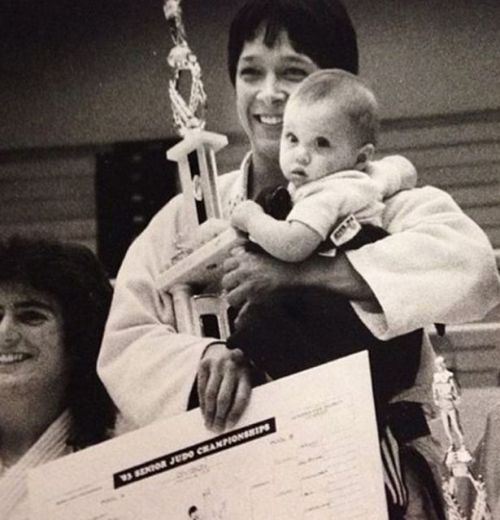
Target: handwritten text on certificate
306	449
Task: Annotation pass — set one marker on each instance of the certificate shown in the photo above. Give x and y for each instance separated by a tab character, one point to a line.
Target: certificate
305	449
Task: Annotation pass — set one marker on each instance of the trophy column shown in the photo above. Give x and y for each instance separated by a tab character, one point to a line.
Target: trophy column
203	314
195	156
199	314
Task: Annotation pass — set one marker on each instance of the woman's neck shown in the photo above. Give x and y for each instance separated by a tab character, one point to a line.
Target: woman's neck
265	173
22	422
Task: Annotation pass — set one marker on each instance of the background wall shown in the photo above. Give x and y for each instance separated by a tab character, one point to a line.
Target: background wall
85	72
77	76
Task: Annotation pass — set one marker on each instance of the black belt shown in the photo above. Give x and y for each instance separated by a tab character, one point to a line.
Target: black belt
407	421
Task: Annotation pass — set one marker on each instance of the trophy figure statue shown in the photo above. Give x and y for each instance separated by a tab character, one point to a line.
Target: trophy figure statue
195	156
458	459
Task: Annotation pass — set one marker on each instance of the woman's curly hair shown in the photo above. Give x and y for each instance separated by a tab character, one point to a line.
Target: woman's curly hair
73	276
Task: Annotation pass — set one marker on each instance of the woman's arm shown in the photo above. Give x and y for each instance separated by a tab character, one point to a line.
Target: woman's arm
249	276
437	266
147	367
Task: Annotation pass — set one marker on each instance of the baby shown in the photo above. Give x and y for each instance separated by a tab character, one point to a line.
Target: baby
329	133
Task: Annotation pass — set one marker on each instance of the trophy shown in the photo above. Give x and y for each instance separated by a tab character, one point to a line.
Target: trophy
203	314
458	459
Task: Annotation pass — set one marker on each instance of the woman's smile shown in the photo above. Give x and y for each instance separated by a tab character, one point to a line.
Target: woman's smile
12	358
13	364
269	120
31	338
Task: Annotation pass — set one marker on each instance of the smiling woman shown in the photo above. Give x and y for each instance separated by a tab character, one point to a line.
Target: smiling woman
32	358
54	301
398	284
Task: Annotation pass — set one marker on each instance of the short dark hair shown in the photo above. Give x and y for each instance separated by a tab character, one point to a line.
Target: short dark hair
73	276
192	510
320	29
354	97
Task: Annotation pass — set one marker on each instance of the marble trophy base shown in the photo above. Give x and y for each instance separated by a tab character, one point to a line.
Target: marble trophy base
203	266
200	314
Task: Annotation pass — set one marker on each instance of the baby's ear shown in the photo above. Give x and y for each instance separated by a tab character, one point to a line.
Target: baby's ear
365	154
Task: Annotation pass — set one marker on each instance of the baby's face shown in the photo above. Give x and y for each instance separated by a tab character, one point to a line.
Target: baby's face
316	141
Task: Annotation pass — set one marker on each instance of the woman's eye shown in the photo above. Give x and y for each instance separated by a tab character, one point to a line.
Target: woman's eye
32	317
322	142
294	74
249	73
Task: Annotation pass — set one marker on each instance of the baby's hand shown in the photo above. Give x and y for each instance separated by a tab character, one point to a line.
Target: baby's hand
243	213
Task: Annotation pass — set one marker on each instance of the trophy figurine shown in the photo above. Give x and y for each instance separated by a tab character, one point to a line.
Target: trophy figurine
195	156
458	459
